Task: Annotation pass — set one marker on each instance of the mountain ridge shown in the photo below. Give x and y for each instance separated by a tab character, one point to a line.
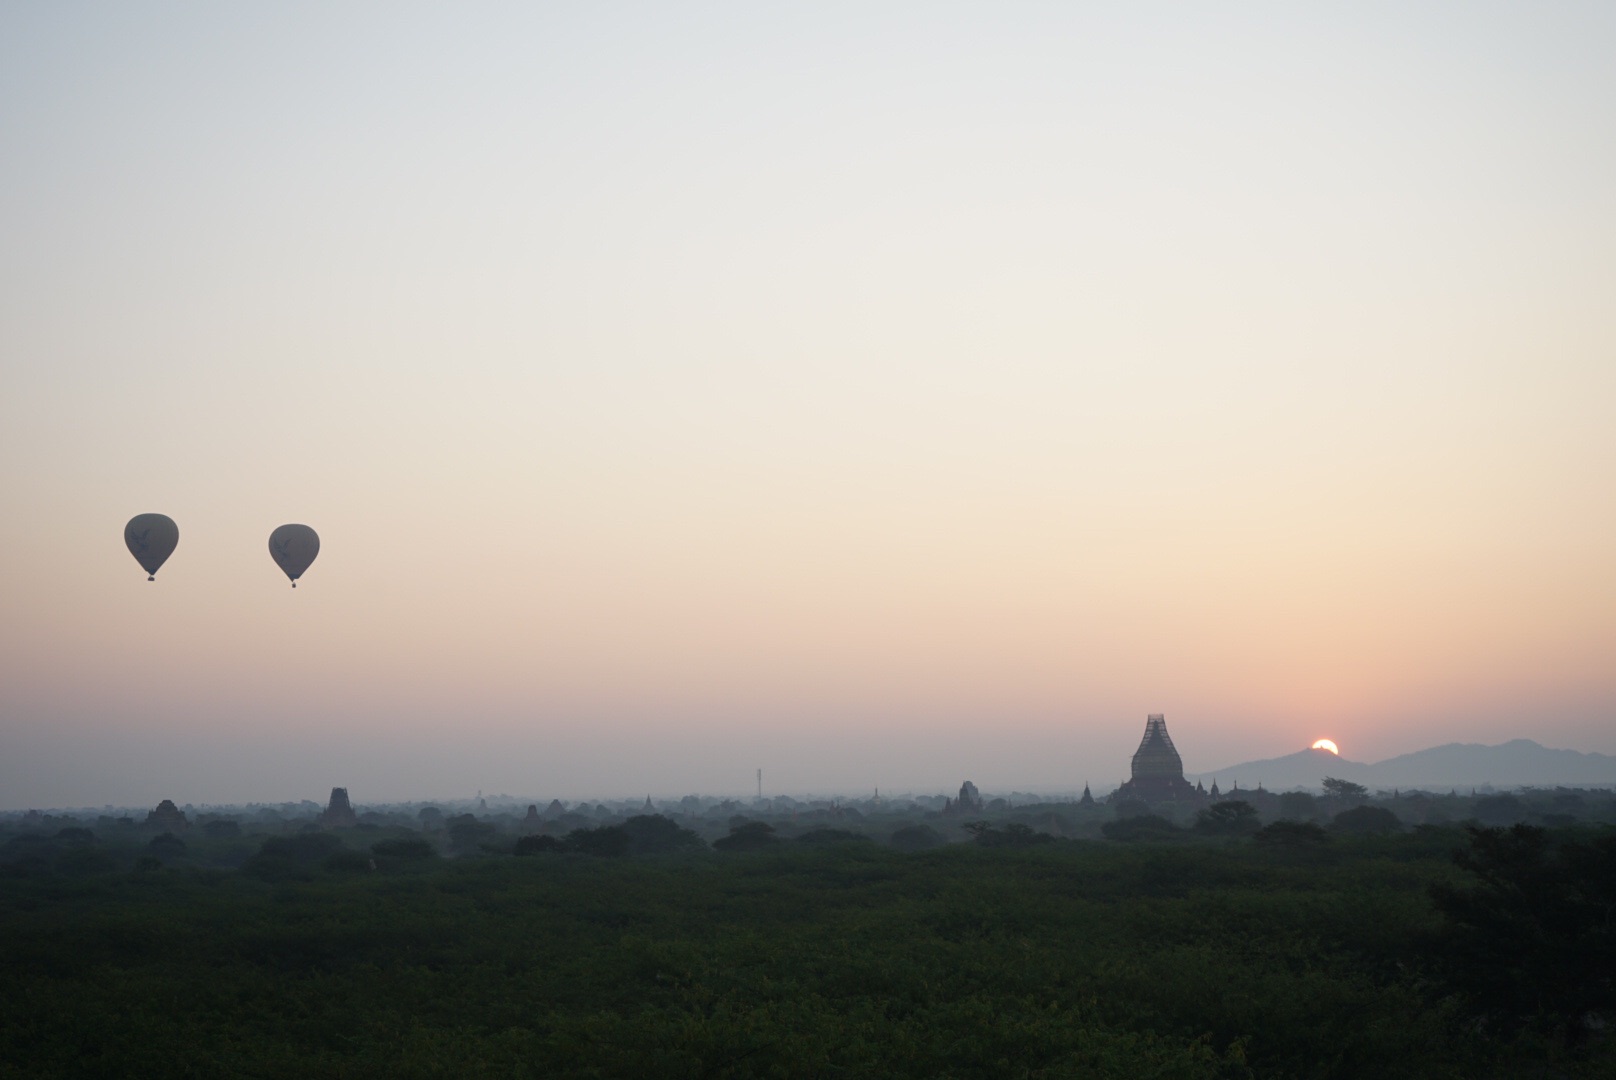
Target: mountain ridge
1513	764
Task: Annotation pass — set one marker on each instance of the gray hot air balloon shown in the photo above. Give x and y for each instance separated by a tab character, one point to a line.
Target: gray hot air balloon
151	539
293	547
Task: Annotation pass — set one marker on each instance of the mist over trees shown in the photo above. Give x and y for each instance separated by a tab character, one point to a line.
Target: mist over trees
1395	932
1431	950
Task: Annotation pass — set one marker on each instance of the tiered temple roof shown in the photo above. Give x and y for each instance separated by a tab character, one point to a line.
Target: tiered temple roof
1158	771
1157	756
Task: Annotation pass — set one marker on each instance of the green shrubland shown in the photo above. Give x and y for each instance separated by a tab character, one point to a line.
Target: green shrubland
634	949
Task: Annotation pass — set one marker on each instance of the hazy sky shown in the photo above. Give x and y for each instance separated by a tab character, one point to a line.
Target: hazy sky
879	394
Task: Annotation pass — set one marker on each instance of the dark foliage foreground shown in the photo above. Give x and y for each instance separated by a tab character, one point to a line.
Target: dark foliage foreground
1531	935
1290	956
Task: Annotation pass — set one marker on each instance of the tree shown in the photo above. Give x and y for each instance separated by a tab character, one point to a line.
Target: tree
306	847
1013	834
1291	834
1297	806
1345	790
1141	827
411	847
166	846
284	858
1236	817
917	838
1127	808
1499	810
467	834
1366	819
608	840
653	834
535	845
827	837
752	836
1530	941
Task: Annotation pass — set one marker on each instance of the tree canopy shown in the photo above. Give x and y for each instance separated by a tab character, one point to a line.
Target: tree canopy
1530	939
1344	789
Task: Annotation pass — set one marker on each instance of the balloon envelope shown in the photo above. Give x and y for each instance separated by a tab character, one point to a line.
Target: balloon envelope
293	547
151	539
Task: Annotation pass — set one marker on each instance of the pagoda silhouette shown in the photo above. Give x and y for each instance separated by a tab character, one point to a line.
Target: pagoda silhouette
1158	771
339	813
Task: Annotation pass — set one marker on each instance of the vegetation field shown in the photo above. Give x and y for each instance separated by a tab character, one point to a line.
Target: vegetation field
838	958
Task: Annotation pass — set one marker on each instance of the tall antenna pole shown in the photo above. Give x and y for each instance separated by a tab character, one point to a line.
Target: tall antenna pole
760	783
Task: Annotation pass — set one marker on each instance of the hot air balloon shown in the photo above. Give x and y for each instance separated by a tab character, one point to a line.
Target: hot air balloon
293	547
151	539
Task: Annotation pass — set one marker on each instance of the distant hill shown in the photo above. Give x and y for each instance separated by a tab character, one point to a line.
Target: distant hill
1519	763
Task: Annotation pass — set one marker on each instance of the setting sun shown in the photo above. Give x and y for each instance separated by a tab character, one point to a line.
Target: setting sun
1326	744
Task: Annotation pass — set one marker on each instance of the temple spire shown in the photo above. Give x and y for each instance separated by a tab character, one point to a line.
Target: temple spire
1158	771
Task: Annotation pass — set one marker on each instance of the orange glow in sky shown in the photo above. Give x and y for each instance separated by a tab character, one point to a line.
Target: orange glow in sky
880	395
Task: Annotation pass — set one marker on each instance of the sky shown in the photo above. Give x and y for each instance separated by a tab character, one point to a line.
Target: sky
880	395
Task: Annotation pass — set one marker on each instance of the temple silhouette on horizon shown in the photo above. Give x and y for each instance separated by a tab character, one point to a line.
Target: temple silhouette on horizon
1158	771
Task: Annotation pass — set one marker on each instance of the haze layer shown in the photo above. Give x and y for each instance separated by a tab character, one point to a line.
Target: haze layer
875	396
